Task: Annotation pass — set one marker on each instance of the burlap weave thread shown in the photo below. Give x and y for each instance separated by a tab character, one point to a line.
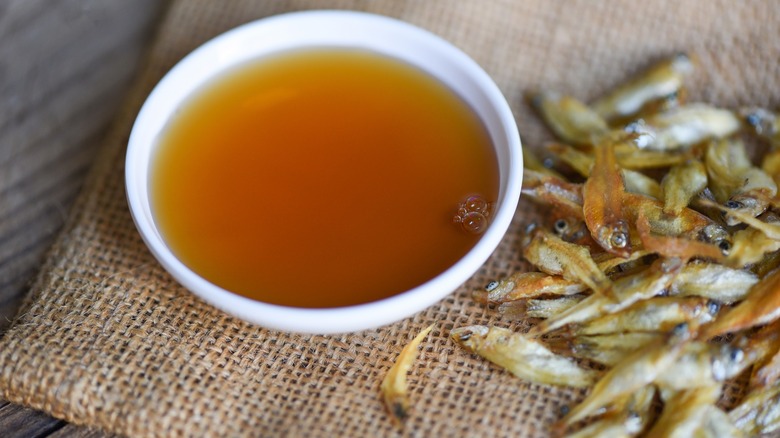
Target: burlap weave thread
108	339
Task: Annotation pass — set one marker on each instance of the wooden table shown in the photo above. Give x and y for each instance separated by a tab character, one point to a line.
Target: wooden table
65	66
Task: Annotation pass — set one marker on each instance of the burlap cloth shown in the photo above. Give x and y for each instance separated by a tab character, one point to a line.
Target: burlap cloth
108	339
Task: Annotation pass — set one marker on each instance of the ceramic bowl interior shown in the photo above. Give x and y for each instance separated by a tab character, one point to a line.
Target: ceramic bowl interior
326	29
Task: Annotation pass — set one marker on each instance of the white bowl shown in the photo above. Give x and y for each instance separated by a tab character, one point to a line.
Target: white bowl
326	29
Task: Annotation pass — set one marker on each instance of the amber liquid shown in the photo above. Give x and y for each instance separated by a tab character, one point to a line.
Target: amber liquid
320	178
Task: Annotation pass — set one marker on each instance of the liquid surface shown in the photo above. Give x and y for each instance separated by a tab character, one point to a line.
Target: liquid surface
320	178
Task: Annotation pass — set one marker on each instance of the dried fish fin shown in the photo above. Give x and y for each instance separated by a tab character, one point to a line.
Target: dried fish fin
526	358
394	384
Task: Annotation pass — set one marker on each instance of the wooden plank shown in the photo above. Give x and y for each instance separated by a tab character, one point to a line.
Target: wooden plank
71	431
20	422
64	69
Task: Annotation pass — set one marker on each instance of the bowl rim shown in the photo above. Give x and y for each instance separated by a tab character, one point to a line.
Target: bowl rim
232	46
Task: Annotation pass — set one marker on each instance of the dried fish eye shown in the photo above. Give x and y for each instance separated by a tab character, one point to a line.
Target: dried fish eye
565	410
713	307
680	329
548	163
560	226
618	239
491	286
725	247
753	119
736	355
733	204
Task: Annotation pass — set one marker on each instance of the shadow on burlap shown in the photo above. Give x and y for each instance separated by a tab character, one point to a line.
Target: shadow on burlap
107	339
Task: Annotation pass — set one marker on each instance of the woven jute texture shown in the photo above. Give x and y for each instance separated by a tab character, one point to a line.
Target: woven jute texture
108	339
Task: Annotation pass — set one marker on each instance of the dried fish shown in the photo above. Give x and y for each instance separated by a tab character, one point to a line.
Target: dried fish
608	262
526	358
683	183
639	183
765	346
685	411
658	314
759	412
631	157
701	365
539	308
603	203
532	162
394	383
752	198
628	290
713	281
687	222
717	424
573	230
630	420
763	123
635	182
750	246
573	262
761	306
672	246
635	371
771	163
523	285
735	182
657	83
570	120
607	349
725	160
549	190
682	127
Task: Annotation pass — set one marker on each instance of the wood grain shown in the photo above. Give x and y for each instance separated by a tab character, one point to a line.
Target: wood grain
64	68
